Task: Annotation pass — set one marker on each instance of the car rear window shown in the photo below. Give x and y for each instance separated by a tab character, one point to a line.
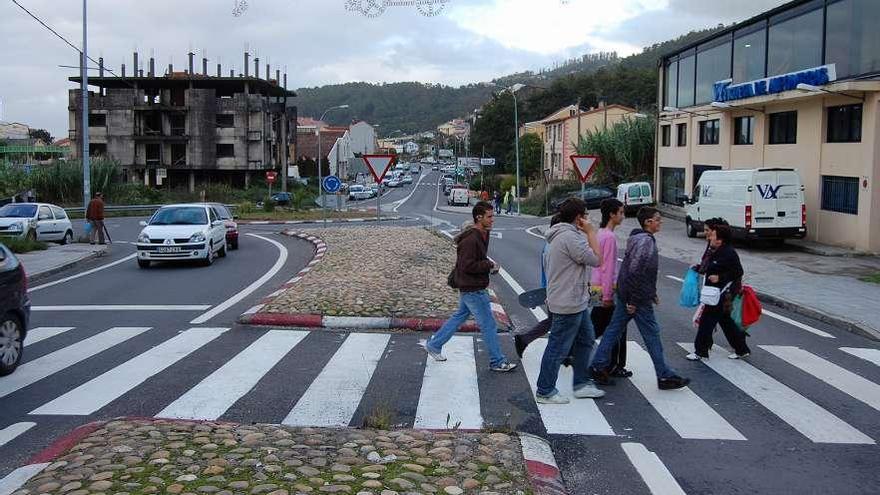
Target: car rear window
634	191
646	190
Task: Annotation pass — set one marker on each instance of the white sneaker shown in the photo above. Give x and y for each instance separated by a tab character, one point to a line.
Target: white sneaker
588	391
738	356
436	355
553	399
694	357
503	367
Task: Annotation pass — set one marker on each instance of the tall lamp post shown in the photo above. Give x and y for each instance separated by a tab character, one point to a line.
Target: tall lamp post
84	89
320	176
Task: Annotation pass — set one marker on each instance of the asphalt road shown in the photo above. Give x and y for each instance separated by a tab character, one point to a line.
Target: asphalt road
801	416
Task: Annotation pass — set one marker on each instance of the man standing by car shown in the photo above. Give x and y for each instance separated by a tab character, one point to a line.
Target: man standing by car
95	217
471	277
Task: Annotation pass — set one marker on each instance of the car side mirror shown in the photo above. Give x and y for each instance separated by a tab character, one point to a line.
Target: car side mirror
143	223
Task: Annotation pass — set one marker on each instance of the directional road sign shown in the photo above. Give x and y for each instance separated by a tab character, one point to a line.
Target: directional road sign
331	183
379	165
584	165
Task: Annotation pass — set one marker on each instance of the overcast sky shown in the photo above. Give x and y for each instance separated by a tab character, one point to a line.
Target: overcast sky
321	42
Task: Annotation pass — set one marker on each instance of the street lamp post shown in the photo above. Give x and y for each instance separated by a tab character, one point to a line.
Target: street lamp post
84	89
516	143
320	176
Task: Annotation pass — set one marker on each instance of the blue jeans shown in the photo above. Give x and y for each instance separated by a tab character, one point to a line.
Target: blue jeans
649	329
478	304
574	332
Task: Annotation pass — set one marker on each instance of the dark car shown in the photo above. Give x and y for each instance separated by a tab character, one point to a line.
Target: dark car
281	198
231	224
15	310
592	195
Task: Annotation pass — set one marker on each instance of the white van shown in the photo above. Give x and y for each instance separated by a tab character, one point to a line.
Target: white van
458	196
763	203
634	195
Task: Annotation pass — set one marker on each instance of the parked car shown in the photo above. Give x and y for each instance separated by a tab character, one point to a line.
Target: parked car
761	203
435	167
393	182
634	195
447	188
592	195
36	221
407	179
358	192
281	198
458	196
415	169
231	224
183	232
15	310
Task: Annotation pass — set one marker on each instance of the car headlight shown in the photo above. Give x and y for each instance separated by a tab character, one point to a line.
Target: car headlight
197	237
143	238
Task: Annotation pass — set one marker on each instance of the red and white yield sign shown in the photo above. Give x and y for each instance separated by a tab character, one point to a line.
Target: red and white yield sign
584	165
379	165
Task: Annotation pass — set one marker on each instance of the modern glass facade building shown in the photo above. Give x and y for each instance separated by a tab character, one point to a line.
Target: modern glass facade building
797	86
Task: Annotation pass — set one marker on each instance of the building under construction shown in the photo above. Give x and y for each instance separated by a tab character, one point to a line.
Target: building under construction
179	129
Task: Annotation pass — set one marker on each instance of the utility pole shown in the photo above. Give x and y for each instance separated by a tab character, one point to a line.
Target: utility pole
84	134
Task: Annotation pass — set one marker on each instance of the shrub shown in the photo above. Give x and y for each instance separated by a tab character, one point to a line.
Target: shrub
268	204
244	208
21	245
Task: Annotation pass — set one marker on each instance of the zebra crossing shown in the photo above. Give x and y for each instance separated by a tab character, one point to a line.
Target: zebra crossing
456	392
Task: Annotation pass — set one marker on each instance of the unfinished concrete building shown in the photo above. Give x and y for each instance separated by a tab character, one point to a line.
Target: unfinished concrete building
183	129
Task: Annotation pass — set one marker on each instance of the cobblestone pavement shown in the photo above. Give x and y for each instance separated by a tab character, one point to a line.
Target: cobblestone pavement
370	271
190	458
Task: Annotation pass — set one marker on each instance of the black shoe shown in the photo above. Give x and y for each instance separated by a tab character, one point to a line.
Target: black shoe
601	377
621	373
519	344
672	383
568	361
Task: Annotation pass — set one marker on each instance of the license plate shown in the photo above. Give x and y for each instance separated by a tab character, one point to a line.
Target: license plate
169	249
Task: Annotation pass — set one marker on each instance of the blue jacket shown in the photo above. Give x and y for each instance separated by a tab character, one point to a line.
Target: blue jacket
637	280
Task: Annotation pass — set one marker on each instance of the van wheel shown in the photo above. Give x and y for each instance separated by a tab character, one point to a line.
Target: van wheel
691	230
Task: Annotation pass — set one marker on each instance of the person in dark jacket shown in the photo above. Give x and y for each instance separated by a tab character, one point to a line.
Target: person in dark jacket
522	340
471	277
95	217
636	295
723	270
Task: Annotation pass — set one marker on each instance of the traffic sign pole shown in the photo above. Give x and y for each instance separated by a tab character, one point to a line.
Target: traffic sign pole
584	165
379	165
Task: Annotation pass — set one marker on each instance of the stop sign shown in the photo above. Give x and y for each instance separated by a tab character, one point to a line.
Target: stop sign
271	175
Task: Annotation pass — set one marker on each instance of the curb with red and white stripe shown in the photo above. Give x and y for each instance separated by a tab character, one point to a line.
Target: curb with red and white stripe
541	468
255	315
304	222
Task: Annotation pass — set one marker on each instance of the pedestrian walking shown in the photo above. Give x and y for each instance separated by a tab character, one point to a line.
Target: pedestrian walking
603	284
95	217
723	270
484	195
471	277
505	203
574	248
636	297
497	200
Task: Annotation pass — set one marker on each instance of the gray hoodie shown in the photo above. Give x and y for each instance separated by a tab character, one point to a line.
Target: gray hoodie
568	273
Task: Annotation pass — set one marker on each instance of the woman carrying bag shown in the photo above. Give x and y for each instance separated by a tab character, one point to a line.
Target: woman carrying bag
724	273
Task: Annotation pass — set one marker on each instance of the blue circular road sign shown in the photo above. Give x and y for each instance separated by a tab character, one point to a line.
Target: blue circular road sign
332	183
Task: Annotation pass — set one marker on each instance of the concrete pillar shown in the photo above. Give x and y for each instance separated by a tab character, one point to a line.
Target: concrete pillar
192	181
247	180
147	177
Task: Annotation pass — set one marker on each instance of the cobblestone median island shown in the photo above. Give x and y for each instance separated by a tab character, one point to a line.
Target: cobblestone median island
375	271
129	457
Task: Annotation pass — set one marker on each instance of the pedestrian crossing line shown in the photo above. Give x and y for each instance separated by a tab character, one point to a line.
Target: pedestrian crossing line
684	410
104	389
17	478
578	417
872	355
654	473
450	394
13	431
38	334
334	396
214	395
33	371
814	422
842	379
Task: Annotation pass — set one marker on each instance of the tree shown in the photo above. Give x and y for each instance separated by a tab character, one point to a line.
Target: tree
625	150
493	131
530	150
41	134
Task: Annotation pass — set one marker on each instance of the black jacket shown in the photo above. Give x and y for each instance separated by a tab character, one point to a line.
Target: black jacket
725	263
472	265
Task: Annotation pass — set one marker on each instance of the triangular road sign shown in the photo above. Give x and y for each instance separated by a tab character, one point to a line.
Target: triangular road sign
584	165
379	165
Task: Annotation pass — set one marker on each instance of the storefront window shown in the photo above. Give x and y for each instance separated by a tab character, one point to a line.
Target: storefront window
852	37
671	84
749	54
795	44
713	65
686	82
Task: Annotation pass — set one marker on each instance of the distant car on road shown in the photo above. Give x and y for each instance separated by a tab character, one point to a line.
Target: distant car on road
183	232
281	198
358	192
393	182
592	195
407	179
415	169
458	196
35	221
15	310
435	167
231	224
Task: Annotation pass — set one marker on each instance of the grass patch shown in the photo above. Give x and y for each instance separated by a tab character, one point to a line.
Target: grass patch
379	418
874	278
20	246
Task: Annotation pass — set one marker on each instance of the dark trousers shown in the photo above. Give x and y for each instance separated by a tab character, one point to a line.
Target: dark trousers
537	331
713	316
601	317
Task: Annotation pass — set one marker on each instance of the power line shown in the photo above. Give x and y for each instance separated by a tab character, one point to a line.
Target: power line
47	26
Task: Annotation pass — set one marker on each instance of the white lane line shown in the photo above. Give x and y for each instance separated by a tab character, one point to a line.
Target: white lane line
537	312
533	234
872	355
83	274
214	395
781	318
33	371
844	380
12	431
37	334
104	389
800	413
282	258
334	396
578	417
16	479
438	408
124	307
684	410
404	200
654	473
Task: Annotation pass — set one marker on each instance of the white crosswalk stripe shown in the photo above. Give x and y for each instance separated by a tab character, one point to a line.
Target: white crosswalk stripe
872	355
450	393
39	334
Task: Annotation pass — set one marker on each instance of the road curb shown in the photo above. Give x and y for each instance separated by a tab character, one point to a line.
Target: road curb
541	467
305	222
256	316
36	277
848	325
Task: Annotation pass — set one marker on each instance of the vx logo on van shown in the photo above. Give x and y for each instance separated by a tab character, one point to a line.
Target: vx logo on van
767	191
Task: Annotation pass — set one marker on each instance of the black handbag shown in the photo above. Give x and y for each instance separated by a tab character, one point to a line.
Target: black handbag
450	279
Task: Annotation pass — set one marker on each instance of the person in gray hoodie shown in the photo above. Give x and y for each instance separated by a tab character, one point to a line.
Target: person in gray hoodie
574	248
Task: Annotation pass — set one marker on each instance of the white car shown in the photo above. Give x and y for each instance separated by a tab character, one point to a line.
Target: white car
35	221
184	232
407	179
358	192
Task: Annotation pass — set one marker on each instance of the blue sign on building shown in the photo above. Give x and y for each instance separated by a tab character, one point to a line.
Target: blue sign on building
817	76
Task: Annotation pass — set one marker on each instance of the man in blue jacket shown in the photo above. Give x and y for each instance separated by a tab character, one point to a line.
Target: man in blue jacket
636	296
